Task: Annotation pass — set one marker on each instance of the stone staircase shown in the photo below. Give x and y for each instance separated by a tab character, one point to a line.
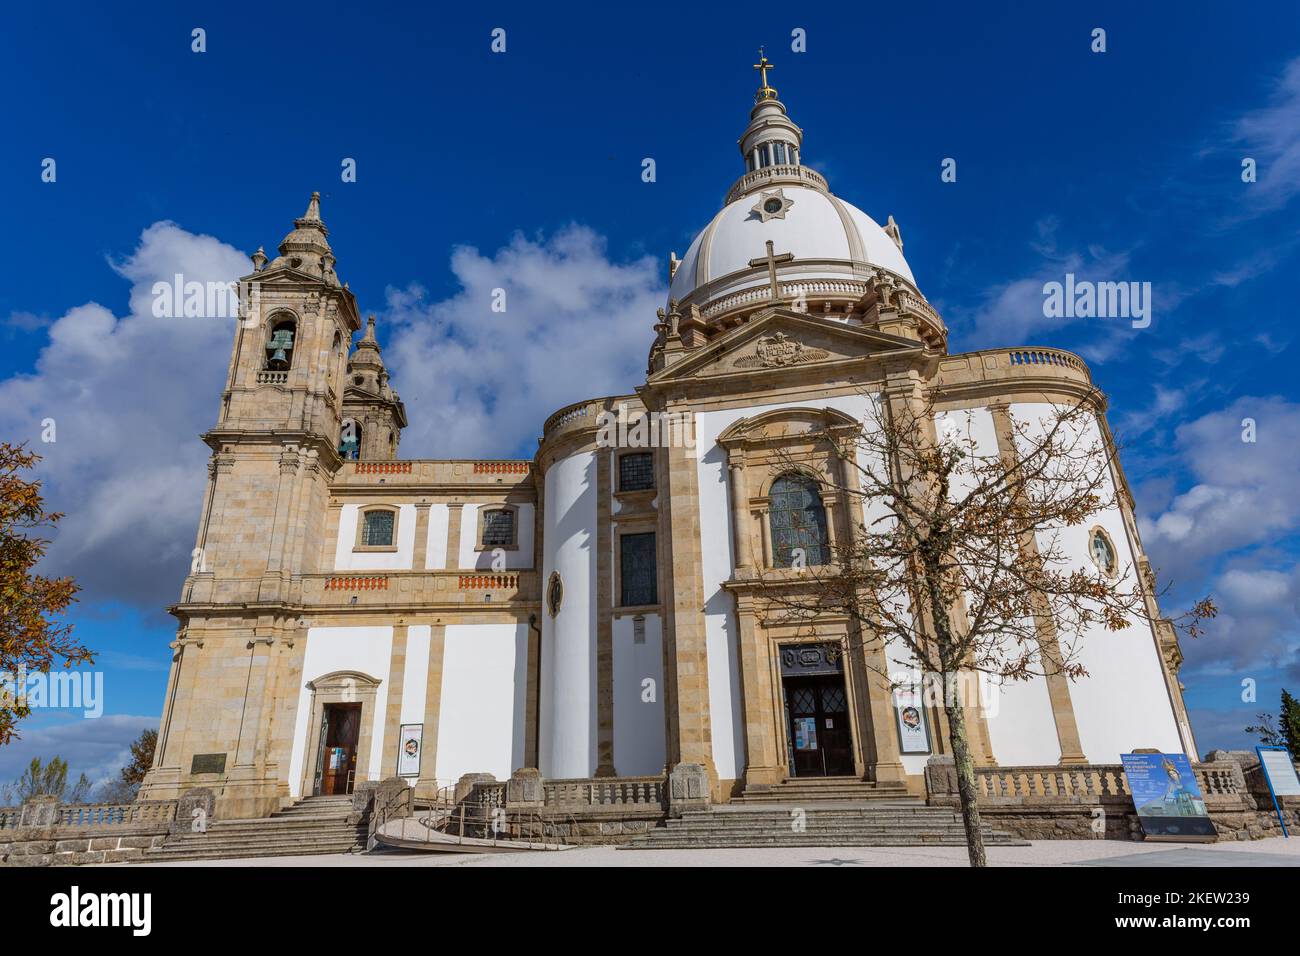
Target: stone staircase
315	825
799	790
821	814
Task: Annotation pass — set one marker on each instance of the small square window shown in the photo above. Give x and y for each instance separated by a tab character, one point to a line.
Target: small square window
498	528
636	471
377	532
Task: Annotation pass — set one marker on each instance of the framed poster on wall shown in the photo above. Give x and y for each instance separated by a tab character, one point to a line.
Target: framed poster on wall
913	731
409	743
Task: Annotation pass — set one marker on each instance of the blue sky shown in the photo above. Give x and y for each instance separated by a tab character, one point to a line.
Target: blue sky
523	169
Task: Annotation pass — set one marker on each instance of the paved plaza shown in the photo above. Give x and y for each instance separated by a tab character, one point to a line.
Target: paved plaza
1272	852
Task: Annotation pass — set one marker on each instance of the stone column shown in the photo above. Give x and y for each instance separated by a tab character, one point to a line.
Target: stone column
1058	685
740	523
763	765
396	686
420	557
454	512
428	783
684	607
604	617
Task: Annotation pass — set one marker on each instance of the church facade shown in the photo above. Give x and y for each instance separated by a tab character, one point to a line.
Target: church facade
351	615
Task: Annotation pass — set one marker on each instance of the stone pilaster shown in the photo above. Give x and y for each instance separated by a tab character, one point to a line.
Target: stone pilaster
455	512
396	687
428	782
604	617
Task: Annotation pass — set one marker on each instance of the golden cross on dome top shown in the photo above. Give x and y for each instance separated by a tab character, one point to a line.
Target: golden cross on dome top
763	65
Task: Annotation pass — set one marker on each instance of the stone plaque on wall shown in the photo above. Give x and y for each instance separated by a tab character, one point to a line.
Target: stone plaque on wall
208	763
810	660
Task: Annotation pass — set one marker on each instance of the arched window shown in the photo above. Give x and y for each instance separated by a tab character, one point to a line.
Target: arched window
350	440
798	522
279	344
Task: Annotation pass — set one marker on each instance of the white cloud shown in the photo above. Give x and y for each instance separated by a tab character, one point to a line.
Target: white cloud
1271	136
99	748
478	382
1244	492
129	396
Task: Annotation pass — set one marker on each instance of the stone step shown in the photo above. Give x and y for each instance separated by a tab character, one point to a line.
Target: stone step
816	841
217	853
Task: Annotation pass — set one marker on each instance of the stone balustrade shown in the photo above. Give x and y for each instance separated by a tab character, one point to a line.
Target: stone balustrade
604	792
1036	366
430	587
45	832
417	475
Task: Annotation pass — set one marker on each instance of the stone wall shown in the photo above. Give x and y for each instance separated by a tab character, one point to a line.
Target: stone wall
45	832
1092	803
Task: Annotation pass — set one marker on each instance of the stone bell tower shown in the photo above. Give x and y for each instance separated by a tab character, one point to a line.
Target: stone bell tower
373	414
275	444
274	448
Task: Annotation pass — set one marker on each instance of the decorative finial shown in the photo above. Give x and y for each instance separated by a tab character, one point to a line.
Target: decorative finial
765	92
259	259
893	232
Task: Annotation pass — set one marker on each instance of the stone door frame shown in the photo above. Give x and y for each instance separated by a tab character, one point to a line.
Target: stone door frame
339	687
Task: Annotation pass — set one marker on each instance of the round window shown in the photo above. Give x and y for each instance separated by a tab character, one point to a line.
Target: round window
772	206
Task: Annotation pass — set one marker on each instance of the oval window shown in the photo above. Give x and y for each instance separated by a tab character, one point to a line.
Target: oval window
554	593
1102	550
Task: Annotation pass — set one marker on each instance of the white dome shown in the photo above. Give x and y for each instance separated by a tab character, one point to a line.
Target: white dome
826	235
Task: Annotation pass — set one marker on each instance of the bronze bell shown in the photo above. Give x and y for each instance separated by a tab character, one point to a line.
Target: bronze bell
281	342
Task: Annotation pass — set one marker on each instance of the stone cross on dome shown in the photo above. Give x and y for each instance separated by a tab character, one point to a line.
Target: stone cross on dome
765	92
771	260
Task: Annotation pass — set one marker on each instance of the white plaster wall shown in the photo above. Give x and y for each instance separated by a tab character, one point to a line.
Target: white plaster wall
345	559
1018	713
435	554
639	748
725	705
330	649
567	715
519	559
415	676
1124	701
483	709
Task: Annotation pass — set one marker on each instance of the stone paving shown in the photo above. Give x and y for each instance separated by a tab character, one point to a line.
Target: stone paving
1272	852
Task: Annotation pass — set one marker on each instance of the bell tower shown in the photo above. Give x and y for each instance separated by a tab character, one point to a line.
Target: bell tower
275	444
373	414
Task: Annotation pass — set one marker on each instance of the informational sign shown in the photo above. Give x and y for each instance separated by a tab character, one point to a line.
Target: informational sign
1167	798
409	743
805	733
913	734
1279	770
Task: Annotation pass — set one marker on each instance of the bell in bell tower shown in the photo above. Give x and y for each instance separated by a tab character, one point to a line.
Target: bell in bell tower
373	413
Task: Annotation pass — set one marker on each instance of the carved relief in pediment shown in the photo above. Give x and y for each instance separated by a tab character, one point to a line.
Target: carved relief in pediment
779	351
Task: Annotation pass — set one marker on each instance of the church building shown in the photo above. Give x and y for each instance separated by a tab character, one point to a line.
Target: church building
594	611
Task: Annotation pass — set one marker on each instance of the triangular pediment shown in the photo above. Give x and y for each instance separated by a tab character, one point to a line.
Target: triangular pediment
780	340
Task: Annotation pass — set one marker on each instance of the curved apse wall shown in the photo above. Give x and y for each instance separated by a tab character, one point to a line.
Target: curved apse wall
567	706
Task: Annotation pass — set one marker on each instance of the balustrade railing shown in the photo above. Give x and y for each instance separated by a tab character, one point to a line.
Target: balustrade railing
604	792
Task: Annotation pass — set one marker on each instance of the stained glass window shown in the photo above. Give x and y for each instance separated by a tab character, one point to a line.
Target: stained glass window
377	532
798	523
636	471
498	528
637	570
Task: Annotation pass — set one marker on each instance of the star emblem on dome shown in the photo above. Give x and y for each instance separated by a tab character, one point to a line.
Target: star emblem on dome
772	205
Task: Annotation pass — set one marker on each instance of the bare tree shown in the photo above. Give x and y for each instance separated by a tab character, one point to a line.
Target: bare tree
961	565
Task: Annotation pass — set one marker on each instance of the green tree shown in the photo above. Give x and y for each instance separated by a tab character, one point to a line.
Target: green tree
32	638
1289	724
46	780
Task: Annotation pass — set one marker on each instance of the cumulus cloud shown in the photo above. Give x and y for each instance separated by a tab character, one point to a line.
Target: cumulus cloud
478	382
1243	492
98	748
128	396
